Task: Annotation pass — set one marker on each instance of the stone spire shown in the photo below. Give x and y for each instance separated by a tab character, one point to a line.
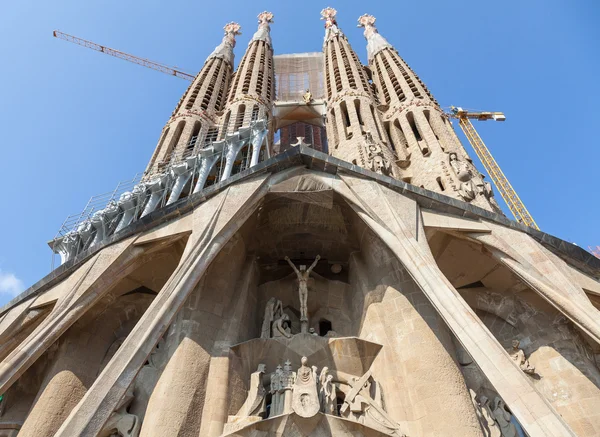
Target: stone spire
192	123
375	42
429	153
354	129
264	30
243	126
225	49
253	89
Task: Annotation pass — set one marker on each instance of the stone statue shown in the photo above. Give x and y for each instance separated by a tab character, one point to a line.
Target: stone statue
281	327
312	331
330	396
276	401
121	423
486	418
255	402
467	191
327	395
288	379
305	400
461	169
303	275
360	407
273	311
503	417
519	357
307	97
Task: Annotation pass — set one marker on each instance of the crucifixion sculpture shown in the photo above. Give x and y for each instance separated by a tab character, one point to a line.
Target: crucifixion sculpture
303	273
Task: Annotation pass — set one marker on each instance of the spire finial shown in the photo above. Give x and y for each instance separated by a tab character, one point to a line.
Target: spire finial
368	22
264	18
262	34
328	14
225	49
375	42
331	29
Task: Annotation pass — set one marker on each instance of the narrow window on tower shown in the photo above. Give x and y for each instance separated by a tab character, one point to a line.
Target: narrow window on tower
225	125
193	139
254	113
376	123
333	128
357	108
441	183
175	139
239	119
386	125
345	120
398	130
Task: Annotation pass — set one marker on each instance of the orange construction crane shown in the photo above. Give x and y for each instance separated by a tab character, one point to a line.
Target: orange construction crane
116	53
506	190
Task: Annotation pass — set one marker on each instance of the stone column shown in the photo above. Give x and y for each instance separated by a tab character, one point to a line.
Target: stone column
236	328
186	384
424	387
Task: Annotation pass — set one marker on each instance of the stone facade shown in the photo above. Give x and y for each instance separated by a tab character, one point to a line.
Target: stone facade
307	295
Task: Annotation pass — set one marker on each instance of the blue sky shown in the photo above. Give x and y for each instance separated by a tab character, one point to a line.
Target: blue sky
76	122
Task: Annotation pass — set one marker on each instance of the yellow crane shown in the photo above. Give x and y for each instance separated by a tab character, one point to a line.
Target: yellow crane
506	190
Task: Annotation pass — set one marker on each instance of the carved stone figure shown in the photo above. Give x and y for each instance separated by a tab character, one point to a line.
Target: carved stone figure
255	402
305	400
326	392
281	326
467	191
361	407
461	169
273	311
376	161
519	357
121	423
303	275
503	417
288	379
276	385
486	418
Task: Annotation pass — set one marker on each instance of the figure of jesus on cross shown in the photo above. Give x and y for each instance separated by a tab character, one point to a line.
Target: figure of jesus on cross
303	275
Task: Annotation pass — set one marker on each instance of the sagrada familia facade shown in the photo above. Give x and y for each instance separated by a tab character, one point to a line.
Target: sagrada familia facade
359	280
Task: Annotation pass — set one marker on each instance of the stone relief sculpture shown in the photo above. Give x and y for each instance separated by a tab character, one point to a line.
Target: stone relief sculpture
308	392
376	161
255	401
273	311
518	356
363	407
303	273
305	399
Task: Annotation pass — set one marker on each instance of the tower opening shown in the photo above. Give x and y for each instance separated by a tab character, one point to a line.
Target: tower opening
324	327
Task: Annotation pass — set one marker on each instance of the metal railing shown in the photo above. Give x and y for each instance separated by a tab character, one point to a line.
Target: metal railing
186	172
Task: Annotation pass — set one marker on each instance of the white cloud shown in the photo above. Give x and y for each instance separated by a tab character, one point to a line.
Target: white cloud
10	284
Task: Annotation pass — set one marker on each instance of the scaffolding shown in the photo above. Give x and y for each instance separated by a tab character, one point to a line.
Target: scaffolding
296	73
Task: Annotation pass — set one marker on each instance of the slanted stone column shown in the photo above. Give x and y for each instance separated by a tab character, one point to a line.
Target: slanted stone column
78	362
425	389
182	392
